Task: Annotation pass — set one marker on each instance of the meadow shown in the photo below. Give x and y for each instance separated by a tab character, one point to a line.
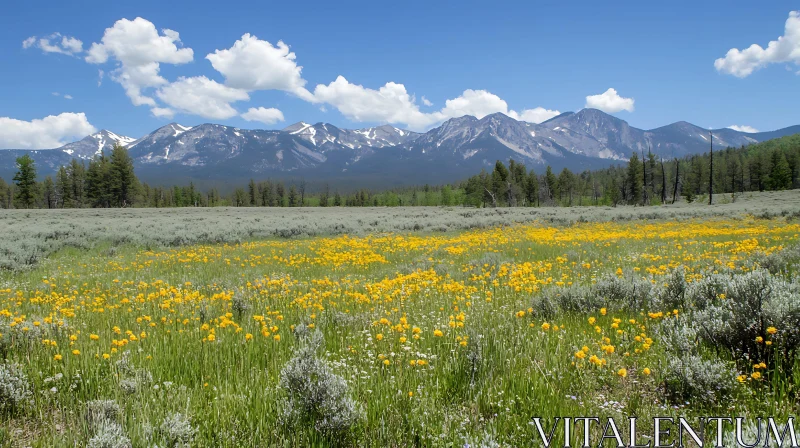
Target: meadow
391	326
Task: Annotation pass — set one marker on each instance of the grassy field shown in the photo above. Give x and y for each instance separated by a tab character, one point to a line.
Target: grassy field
391	327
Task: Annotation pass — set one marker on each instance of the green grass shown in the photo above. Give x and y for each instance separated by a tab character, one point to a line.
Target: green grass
230	387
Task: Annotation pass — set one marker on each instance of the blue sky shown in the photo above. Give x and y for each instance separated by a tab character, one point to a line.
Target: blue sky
512	57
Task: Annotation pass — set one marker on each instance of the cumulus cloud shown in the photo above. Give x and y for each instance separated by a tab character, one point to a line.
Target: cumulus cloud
741	63
264	115
390	103
202	96
477	103
45	133
254	64
138	48
162	112
480	103
55	43
610	101
537	115
426	102
393	104
743	128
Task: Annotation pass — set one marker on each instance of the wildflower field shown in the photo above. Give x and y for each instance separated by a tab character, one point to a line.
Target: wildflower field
401	338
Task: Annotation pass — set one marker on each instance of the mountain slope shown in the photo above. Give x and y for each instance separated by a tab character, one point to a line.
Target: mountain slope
459	147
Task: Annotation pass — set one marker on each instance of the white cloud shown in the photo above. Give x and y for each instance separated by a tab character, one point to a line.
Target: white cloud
253	64
390	104
741	63
162	112
264	115
480	103
202	96
139	49
426	101
100	75
477	103
45	133
393	104
609	101
55	43
69	97
537	115
743	128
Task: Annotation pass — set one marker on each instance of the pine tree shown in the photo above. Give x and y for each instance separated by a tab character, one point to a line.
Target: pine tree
781	175
98	185
4	194
337	200
280	191
551	183
293	198
267	195
532	189
253	193
239	197
635	179
122	182
25	179
614	191
77	177
64	188
323	196
566	183
49	193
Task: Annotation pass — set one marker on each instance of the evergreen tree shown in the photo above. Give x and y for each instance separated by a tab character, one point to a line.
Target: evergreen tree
64	188
252	193
77	177
551	183
4	191
634	179
49	192
781	175
267	194
566	184
25	179
293	198
240	198
323	197
532	189
447	195
337	200
280	191
98	182
121	180
614	191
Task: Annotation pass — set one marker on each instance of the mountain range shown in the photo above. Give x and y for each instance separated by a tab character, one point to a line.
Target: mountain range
385	155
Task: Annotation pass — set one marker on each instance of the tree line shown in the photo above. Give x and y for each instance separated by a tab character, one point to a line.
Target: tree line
110	181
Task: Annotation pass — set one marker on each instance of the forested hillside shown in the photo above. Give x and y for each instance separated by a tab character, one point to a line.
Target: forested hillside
110	181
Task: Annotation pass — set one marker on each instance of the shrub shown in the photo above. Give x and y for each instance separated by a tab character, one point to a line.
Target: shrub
755	303
177	431
14	387
629	292
778	262
706	292
679	336
316	395
673	294
576	298
100	412
109	435
690	377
